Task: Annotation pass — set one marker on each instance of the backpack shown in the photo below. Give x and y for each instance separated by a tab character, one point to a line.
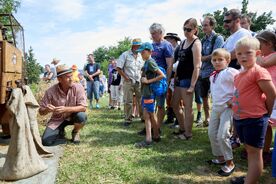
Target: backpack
160	87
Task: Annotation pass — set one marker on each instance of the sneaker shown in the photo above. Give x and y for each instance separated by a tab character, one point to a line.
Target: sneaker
143	144
75	137
97	106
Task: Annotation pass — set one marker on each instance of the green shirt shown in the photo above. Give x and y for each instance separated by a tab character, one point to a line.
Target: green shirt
149	71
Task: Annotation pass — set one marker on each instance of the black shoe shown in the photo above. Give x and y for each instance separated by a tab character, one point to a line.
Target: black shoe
142	132
126	124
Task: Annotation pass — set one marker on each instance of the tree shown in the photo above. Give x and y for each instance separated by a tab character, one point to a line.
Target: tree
9	6
33	69
258	22
103	54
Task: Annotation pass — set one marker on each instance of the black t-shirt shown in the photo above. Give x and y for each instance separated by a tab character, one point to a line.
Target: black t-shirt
91	69
116	78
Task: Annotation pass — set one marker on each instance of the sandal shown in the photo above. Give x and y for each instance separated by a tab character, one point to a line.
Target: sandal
143	144
179	132
215	162
183	137
226	171
238	180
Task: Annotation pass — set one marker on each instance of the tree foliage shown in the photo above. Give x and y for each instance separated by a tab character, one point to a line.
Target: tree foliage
9	6
33	68
258	22
103	54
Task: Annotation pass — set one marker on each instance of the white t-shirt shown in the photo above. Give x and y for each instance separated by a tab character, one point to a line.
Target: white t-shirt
222	89
231	41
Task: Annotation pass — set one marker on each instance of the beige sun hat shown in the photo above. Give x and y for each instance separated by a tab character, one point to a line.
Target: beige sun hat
55	61
63	69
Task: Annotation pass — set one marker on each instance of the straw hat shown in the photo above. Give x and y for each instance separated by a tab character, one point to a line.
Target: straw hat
63	69
55	61
172	35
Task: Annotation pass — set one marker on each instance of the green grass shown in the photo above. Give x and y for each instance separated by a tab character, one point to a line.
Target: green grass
107	155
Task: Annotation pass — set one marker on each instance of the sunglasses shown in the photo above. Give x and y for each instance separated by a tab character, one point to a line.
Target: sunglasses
227	21
187	29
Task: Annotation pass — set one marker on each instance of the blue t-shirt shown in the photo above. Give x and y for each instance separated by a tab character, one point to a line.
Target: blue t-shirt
161	51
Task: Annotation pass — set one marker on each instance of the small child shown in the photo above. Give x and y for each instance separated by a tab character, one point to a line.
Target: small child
151	73
82	81
222	90
115	88
268	60
252	104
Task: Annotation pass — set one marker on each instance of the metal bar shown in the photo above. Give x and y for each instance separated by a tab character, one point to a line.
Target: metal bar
14	41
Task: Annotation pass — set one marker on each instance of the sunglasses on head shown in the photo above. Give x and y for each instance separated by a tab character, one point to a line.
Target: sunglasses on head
227	21
187	29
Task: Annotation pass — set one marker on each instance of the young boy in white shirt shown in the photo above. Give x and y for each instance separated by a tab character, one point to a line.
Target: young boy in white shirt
222	90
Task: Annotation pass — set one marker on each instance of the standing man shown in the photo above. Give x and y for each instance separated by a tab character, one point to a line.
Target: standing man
163	56
232	23
92	72
210	42
129	66
67	103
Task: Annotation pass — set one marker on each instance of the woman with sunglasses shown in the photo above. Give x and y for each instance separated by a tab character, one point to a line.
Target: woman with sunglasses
187	72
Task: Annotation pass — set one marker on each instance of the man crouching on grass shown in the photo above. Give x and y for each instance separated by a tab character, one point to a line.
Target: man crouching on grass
67	103
151	73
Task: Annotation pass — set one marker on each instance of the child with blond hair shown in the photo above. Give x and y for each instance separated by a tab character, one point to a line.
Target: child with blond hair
252	104
222	90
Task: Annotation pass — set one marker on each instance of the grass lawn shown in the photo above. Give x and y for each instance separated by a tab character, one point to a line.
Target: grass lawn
107	155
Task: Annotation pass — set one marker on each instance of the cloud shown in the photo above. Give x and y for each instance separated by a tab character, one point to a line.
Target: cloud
68	10
112	22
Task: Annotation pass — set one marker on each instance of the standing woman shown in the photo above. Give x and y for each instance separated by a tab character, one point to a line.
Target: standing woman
187	72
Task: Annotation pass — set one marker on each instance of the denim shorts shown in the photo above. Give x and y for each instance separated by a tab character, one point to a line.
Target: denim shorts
251	131
148	103
160	100
183	83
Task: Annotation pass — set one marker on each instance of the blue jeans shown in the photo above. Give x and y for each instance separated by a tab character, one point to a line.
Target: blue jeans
93	88
51	137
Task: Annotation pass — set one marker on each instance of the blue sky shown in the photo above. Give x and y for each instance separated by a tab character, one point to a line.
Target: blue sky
70	29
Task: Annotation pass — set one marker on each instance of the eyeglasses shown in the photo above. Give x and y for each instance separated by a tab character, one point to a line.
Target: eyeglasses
205	25
227	21
187	29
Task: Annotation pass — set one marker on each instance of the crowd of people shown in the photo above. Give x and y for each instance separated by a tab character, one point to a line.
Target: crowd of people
238	74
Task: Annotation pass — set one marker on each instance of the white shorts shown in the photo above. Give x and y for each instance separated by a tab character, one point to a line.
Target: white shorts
116	93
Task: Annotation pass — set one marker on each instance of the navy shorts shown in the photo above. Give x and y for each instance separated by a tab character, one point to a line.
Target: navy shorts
251	131
148	103
183	83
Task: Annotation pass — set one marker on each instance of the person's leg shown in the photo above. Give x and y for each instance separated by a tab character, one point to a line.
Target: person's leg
198	101
213	135
189	114
223	137
204	93
134	105
170	114
268	139
96	89
112	94
255	164
79	119
90	93
160	110
50	136
128	97
178	110
138	95
148	125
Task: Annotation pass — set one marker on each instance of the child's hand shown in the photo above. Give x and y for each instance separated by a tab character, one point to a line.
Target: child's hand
144	80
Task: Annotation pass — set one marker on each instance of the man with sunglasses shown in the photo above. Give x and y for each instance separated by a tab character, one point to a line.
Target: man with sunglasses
232	23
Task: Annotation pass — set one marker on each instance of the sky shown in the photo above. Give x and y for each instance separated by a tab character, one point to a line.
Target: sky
70	29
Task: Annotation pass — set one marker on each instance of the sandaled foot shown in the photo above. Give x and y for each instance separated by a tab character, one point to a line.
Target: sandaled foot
143	144
226	171
183	137
215	162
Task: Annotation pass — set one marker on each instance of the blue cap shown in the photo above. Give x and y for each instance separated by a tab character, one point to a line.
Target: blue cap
145	46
